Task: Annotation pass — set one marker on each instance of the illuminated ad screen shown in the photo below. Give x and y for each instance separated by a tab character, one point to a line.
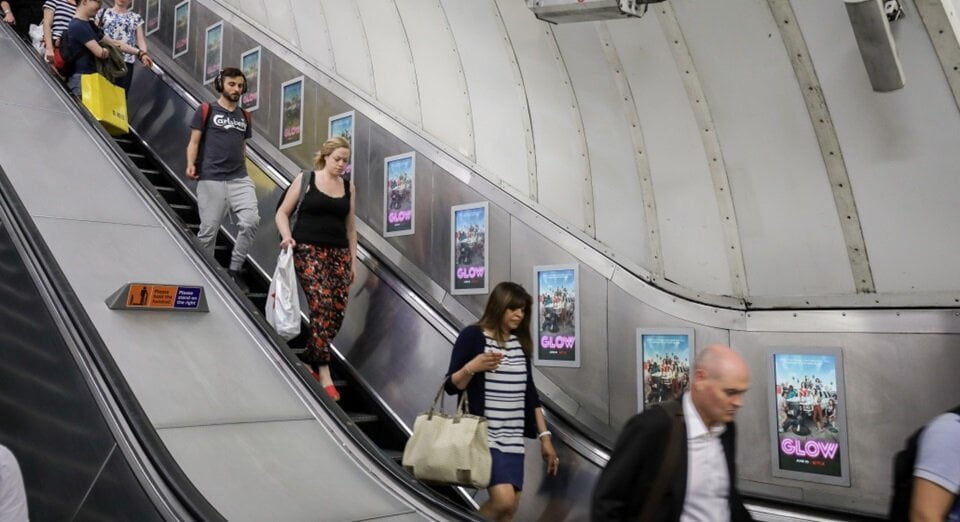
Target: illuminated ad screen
809	432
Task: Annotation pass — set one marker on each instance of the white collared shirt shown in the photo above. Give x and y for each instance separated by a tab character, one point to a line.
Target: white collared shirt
708	483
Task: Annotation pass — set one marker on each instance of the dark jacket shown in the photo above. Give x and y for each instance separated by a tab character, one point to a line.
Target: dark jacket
470	344
624	485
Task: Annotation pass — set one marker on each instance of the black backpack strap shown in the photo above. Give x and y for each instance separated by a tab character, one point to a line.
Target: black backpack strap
305	183
668	466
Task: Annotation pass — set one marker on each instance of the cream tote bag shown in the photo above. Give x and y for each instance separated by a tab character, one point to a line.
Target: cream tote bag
448	449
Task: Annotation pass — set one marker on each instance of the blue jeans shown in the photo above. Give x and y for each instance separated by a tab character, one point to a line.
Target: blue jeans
73	83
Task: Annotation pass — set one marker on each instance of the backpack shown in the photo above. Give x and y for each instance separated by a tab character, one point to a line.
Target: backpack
67	53
205	119
903	463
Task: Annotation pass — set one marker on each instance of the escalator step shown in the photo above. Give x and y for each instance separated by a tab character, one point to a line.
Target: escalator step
193	226
150	172
163	189
361	418
180	206
136	155
257	295
340	383
393	455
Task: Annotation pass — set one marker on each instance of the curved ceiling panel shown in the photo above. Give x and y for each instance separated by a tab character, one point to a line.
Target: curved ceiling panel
690	236
348	40
393	71
313	33
281	20
562	164
444	100
900	148
500	120
785	208
618	201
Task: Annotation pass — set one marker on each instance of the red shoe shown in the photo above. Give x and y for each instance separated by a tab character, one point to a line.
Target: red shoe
332	392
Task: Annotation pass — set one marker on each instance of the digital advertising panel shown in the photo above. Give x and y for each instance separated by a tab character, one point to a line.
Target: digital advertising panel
291	107
250	65
664	358
152	16
343	125
398	194
181	28
557	315
808	430
213	52
468	253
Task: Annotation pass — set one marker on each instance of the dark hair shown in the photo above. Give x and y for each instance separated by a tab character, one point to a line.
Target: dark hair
509	296
229	72
233	72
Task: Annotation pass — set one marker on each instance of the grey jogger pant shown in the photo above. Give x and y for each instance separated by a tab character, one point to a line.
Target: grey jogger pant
214	198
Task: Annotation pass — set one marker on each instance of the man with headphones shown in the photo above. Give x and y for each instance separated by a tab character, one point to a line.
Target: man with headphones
216	157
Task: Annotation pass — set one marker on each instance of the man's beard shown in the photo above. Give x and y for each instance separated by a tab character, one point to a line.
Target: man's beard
234	97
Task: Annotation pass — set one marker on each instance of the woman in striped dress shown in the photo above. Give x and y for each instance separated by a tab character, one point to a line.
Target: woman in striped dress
491	362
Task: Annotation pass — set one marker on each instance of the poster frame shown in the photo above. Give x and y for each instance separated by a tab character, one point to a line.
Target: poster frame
186	48
690	333
258	50
412	156
353	133
283	87
844	478
537	360
207	79
453	249
147	18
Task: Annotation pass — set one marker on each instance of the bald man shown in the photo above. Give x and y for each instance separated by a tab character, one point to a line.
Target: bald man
676	461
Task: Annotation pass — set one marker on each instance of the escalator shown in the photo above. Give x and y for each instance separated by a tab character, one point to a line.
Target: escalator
358	402
149	415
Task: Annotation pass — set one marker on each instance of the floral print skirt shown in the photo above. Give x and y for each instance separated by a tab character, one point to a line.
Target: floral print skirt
324	274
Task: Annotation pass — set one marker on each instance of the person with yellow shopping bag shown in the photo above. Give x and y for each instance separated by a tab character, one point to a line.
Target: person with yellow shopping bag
81	48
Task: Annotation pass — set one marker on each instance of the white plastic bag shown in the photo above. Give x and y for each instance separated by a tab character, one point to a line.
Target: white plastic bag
283	302
36	36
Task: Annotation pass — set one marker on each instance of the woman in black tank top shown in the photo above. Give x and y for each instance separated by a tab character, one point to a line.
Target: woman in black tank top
324	239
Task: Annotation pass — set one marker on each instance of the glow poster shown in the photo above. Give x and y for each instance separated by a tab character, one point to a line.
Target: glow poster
808	416
343	125
250	65
181	28
399	177
665	358
213	52
469	249
152	15
291	110
557	315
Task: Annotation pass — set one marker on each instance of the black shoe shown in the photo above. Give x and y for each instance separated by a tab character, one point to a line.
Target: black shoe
237	277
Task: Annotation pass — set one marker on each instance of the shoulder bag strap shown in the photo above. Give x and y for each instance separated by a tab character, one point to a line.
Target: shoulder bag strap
305	183
669	464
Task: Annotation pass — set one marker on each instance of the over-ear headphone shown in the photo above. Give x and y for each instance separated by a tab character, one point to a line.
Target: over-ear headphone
218	81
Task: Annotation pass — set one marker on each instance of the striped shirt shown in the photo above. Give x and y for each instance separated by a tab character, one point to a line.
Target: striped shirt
63	12
504	397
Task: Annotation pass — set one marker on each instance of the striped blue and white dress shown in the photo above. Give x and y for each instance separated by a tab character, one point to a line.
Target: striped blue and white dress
504	397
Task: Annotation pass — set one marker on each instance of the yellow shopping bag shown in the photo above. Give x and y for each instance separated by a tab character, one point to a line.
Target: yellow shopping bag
106	101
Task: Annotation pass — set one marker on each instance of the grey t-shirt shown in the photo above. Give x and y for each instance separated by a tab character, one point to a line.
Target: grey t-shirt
13	498
938	457
222	157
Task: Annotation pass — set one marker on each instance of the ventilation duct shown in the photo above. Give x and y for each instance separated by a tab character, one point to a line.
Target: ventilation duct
566	11
877	48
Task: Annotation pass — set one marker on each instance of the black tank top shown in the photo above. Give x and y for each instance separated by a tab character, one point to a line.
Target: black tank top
323	219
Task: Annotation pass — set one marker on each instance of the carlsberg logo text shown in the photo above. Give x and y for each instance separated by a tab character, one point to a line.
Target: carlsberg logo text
226	122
